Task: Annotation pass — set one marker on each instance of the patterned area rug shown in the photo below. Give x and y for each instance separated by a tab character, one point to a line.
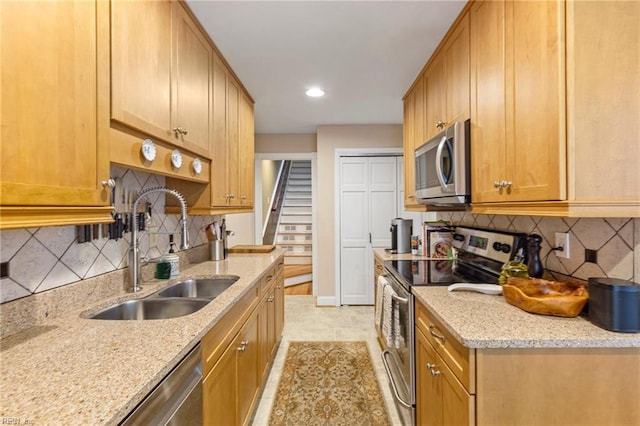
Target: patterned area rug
328	383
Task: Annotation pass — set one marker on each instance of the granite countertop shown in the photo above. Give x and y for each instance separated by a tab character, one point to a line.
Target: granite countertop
486	321
383	255
73	370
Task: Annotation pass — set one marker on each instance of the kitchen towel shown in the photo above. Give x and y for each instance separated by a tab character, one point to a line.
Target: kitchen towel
387	314
380	283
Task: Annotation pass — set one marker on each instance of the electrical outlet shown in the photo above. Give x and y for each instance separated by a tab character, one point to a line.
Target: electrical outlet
562	240
4	269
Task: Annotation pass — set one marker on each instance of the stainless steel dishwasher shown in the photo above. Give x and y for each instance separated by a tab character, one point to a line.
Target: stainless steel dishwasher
177	400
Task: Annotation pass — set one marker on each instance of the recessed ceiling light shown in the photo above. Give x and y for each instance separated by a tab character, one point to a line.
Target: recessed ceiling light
315	92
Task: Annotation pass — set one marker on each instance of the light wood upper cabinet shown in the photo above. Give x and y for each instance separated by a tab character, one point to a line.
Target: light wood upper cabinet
545	97
518	130
435	99
232	165
412	137
458	73
141	66
54	138
447	87
246	152
232	147
191	69
160	73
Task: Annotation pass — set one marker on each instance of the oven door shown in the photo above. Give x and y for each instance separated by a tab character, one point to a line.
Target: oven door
398	354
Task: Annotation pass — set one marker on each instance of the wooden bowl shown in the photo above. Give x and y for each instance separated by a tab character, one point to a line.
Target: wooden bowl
538	296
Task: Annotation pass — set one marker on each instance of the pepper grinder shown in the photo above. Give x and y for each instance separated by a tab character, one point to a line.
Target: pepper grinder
534	264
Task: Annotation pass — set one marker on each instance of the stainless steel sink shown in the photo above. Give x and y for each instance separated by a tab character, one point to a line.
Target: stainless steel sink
148	309
206	288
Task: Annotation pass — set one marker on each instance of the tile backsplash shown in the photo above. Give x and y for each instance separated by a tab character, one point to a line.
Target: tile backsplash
616	241
45	258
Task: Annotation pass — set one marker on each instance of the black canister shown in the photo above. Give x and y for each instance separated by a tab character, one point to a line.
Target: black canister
614	304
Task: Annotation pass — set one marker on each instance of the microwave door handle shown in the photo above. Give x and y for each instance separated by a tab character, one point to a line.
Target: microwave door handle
443	184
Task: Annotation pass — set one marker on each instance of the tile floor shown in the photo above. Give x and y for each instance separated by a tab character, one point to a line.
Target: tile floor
306	322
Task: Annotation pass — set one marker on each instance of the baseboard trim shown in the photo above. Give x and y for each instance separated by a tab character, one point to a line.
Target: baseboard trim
326	301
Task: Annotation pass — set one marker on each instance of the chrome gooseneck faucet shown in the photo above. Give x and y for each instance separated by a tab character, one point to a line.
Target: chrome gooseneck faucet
134	251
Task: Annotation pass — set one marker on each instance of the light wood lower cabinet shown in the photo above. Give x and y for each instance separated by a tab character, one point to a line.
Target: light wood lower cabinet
54	59
443	399
456	385
238	351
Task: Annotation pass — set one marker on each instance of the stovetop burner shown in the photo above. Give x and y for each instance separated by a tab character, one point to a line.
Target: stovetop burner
481	254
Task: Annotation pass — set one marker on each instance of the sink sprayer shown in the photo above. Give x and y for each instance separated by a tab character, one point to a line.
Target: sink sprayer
134	251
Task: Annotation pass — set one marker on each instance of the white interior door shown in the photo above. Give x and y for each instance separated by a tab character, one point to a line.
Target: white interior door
368	194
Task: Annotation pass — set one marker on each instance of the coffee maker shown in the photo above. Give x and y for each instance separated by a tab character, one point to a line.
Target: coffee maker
401	230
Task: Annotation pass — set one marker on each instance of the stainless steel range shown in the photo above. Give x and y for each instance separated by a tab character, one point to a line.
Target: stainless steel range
480	256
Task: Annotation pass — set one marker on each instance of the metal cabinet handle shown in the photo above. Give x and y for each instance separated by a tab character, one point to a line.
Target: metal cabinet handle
180	130
393	383
440	124
502	184
242	348
434	372
278	287
109	183
270	299
434	334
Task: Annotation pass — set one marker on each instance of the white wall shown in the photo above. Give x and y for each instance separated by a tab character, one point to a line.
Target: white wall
329	139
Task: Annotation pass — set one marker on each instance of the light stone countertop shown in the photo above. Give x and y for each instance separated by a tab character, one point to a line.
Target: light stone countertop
383	255
485	321
73	370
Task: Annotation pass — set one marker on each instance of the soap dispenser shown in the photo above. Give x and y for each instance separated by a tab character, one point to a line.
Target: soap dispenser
173	258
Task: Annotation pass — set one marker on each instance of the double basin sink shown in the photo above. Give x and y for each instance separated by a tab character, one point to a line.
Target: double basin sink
183	298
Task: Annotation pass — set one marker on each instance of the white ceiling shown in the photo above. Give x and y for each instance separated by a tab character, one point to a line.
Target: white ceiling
364	54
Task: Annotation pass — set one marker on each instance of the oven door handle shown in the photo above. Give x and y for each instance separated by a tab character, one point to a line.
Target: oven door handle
399	299
393	383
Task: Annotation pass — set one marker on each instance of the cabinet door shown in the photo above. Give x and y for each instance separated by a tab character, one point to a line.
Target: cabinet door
246	152
428	389
457	65
488	100
436	81
219	390
248	372
190	84
219	163
141	65
54	111
279	305
536	141
412	137
233	142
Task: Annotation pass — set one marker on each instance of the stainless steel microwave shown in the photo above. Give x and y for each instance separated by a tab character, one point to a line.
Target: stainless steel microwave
443	176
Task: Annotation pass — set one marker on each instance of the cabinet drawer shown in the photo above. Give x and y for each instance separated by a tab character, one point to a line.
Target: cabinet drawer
219	337
459	359
267	280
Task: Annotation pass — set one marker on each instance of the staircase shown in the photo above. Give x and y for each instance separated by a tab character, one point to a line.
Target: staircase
294	232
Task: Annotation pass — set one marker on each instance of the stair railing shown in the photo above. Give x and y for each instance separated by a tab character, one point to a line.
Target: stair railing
271	224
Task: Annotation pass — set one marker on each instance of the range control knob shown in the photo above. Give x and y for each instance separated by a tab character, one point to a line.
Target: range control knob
505	248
